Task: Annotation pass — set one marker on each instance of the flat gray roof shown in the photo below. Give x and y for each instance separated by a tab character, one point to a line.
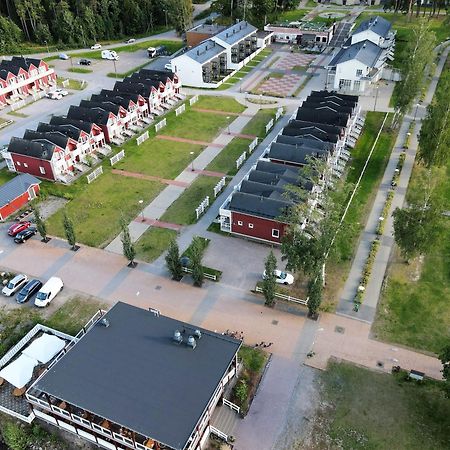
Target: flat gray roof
377	24
211	29
365	51
205	51
133	373
236	32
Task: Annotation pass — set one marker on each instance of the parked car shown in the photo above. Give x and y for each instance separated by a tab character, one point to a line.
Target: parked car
25	235
96	46
168	67
110	54
48	292
84	62
158	51
18	227
63	56
63	92
14	285
281	277
54	95
130	41
28	291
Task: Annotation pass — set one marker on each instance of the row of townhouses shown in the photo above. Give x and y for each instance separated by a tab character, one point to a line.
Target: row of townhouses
363	58
62	148
21	77
324	127
218	52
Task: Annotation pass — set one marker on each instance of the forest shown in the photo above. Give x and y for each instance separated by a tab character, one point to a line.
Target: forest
83	22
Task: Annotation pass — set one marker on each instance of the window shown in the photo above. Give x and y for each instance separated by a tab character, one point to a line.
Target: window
275	233
359	72
25	165
41	169
250	225
357	86
240	223
345	84
18	163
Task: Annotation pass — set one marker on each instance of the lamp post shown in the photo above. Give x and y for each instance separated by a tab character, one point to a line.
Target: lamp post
376	98
192	161
228	126
115	69
142	211
46	43
165	12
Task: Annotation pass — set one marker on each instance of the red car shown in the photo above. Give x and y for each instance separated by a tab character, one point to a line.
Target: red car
18	227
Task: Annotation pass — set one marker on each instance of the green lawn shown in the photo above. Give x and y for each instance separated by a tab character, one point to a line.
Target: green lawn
153	243
5	176
225	161
73	84
96	208
363	409
292	15
172	47
228	104
79	70
356	218
257	125
129	72
415	307
182	210
158	157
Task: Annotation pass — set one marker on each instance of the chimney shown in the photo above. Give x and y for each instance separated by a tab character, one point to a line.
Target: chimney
177	338
191	342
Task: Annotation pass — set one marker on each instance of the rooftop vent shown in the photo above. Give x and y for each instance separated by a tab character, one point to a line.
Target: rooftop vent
105	322
191	342
177	337
197	334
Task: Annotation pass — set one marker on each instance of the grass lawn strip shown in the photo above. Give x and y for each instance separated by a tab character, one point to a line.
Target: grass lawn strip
225	161
79	70
153	243
228	104
363	409
73	84
182	210
96	208
257	125
129	72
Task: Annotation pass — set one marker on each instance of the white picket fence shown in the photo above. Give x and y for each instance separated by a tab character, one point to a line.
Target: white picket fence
6	123
252	145
160	125
241	160
17	105
269	125
219	186
205	275
193	100
278	113
143	137
286	297
180	110
202	207
65	83
94	174
116	158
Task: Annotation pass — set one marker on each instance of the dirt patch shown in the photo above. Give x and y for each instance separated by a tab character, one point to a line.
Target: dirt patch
50	205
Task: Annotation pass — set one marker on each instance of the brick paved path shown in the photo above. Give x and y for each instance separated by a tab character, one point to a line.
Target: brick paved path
210	173
126	173
222	113
188	141
283	86
158	223
292	60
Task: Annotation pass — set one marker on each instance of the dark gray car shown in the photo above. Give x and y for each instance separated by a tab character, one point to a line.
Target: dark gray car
28	291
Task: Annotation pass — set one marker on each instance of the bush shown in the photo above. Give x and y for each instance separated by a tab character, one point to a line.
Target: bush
241	391
15	436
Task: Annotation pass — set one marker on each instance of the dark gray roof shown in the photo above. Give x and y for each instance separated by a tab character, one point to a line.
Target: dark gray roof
16	187
310	124
69	130
205	28
107	106
236	32
377	24
132	87
140	78
259	206
55	137
158	74
262	189
133	374
278	169
302	141
81	124
95	115
333	95
322	115
311	133
205	51
118	100
41	149
331	105
365	52
293	154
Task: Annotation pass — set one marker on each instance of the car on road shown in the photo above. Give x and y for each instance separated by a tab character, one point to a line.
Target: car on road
110	54
24	235
130	41
48	292
53	95
63	92
96	46
168	67
63	56
84	62
281	277
18	227
28	291
14	285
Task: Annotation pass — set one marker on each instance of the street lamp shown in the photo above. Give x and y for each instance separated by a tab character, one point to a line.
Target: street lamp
48	51
165	11
228	126
192	161
142	211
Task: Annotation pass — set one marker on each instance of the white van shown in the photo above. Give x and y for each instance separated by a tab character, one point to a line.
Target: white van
110	54
48	292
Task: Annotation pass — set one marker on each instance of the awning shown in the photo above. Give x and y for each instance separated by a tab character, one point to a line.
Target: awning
20	371
44	348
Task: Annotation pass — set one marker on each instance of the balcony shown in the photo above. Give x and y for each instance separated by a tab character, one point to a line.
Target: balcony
16	85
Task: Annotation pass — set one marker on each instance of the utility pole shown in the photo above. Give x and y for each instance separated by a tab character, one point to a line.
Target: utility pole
115	69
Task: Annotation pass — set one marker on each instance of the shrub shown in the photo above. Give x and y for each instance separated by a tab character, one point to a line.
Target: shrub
15	436
241	391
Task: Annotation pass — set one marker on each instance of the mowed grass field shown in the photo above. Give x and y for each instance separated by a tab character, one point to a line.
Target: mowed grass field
153	243
363	409
257	125
225	161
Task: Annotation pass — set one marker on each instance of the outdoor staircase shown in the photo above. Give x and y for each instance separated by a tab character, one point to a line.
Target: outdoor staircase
225	419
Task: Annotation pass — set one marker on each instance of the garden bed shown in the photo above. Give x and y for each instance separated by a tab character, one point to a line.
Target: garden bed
207	270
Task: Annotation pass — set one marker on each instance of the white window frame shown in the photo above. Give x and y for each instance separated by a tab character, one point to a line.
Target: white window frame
240	223
25	165
359	72
250	225
42	170
275	232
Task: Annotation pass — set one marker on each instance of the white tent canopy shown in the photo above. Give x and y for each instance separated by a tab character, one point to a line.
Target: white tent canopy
20	371
44	348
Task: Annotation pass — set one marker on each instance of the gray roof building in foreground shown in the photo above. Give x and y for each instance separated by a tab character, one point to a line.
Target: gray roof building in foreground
365	51
236	32
16	187
377	24
133	373
205	51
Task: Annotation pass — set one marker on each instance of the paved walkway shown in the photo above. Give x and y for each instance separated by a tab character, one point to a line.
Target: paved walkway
142	176
188	141
368	308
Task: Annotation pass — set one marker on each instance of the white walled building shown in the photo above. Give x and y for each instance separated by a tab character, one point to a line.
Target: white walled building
377	30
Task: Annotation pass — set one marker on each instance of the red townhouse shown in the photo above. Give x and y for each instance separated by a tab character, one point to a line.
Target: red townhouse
149	92
16	193
129	105
20	77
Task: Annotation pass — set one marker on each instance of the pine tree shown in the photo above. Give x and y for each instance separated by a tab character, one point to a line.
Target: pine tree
173	261
127	245
69	231
269	283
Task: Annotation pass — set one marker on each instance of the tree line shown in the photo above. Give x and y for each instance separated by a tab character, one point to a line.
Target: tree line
82	22
416	7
